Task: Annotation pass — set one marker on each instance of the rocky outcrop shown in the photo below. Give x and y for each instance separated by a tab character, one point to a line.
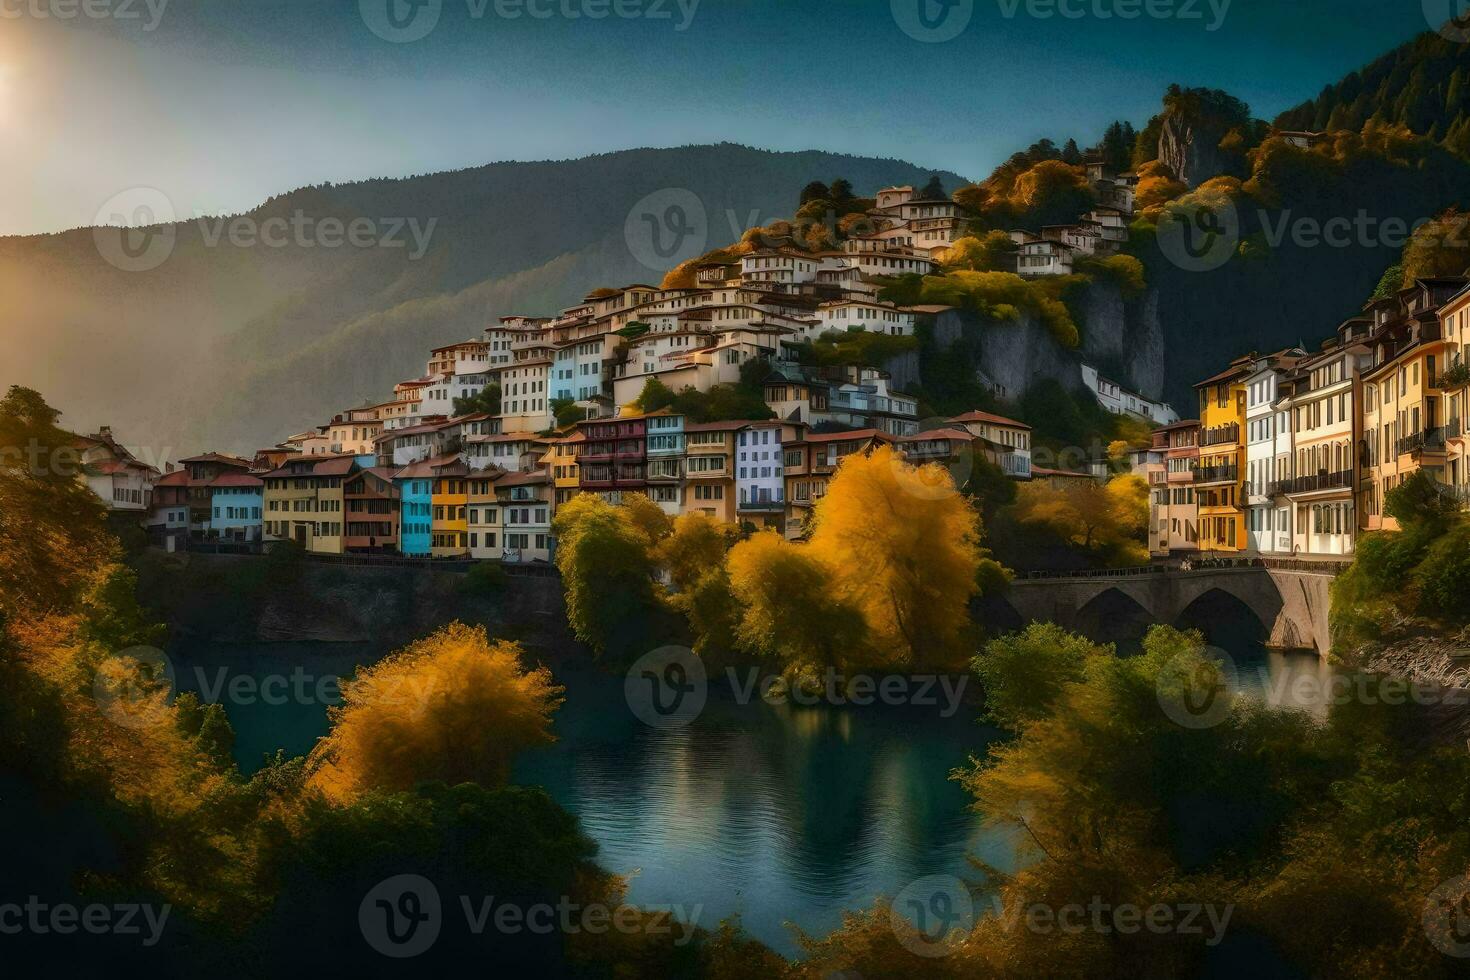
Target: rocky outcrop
1191	149
1120	337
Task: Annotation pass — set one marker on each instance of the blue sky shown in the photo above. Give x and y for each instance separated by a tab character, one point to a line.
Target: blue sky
222	104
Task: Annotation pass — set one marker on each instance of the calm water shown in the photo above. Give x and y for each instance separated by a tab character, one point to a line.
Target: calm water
778	813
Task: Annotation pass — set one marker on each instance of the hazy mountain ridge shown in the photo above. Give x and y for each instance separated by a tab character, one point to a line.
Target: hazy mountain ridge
235	347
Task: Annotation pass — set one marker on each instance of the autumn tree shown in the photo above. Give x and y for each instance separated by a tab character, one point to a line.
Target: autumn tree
647	517
607	573
1107	523
455	706
696	545
52	532
903	546
790	608
993	251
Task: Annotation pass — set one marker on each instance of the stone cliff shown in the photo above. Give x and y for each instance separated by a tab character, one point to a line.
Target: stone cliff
1191	149
1123	339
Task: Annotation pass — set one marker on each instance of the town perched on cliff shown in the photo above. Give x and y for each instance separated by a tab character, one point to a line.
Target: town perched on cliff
697	395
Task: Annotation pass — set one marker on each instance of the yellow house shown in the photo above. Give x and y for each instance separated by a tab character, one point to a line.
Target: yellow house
560	461
1408	408
450	499
1218	487
709	468
303	502
1455	327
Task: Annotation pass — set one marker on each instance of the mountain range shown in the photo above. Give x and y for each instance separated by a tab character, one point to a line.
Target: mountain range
232	332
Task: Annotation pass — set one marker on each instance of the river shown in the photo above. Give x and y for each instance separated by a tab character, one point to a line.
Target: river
779	813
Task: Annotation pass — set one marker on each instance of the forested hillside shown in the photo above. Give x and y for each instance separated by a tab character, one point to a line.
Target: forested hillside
234	346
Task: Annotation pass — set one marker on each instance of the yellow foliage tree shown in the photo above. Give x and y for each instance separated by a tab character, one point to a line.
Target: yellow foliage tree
647	517
1107	521
697	544
790	608
454	706
904	548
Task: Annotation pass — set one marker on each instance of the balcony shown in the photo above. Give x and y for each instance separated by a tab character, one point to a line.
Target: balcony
1217	474
1340	480
761	506
1277	488
1429	441
1221	435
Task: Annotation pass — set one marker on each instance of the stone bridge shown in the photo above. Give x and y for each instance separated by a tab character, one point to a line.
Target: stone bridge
1291	605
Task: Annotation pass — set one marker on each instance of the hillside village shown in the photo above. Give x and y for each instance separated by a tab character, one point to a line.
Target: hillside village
414	475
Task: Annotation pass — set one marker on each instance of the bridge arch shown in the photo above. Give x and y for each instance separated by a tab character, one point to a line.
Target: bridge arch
1114	616
1226	619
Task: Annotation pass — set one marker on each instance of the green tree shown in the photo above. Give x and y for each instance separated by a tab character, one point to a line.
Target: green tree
486	402
1025	673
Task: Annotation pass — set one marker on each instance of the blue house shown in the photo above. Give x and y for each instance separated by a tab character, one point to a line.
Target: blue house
235	503
416	509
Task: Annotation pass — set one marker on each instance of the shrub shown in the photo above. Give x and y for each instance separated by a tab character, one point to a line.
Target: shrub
1443	577
486	578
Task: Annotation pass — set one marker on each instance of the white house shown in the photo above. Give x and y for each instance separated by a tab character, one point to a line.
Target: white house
1120	400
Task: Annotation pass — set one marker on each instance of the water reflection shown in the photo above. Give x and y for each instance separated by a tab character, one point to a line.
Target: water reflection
780	813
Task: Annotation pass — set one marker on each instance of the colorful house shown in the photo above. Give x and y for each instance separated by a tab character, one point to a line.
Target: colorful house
810	460
1405	399
525	510
614	456
449	497
204	470
484	514
415	485
666	452
709	469
1219	483
237	502
372	515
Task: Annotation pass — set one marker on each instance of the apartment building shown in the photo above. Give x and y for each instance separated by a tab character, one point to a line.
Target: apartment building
1405	401
1268	454
1322	402
1219	483
1174	527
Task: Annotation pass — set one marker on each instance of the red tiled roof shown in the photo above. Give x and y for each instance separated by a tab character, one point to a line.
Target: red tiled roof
840	436
432	467
959	434
178	478
523	479
218	458
237	480
978	416
334	466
